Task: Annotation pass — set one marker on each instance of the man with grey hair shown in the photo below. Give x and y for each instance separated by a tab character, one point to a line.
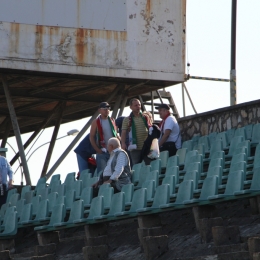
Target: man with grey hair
118	171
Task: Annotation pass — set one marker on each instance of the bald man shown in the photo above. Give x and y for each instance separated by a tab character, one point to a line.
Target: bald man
118	171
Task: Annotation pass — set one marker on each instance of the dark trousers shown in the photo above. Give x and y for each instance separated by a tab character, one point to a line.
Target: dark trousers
169	146
101	181
3	199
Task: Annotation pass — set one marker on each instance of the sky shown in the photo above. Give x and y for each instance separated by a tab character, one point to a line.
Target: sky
208	52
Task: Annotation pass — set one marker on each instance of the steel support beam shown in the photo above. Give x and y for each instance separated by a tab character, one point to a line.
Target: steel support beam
16	130
116	106
123	104
8	125
183	100
77	138
188	94
53	140
43	125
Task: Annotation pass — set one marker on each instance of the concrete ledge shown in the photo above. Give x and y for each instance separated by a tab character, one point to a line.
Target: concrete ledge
44	250
6	244
44	257
95	252
230	248
5	255
48	238
234	256
149	221
226	235
96	230
97	241
253	246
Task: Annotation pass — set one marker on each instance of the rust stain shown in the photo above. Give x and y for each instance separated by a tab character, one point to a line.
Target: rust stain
148	6
80	48
39	32
15	32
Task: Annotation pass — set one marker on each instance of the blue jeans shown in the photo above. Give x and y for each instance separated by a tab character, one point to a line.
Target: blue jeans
102	159
82	163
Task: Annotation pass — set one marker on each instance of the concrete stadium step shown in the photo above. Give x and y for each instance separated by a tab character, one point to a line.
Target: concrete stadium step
230	248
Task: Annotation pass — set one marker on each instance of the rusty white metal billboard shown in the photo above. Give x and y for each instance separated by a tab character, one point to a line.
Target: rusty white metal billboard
143	39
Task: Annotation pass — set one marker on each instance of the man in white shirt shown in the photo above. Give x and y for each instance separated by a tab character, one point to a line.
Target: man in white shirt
170	139
118	171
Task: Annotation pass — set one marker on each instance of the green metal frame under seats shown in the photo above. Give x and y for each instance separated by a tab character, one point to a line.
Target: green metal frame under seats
156	165
54	178
139	201
128	189
240	132
182	154
10	224
24	190
255	185
41	181
161	197
233	145
249	131
212	137
217	146
70	198
107	194
57	216
205	140
52	197
117	206
173	171
230	134
10	193
136	172
192	176
171	181
164	158
235	183
76	213
86	196
185	193
255	134
35	204
14	198
215	171
209	188
26	214
145	169
96	209
188	144
88	182
150	187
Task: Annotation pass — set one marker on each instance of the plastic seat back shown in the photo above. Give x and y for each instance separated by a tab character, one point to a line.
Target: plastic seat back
235	182
52	197
209	187
230	134
173	171
43	193
164	158
78	188
150	187
128	189
156	165
85	173
194	167
201	149
185	192
41	187
4	208
257	157
139	200
217	146
24	190
241	157
255	185
117	203
223	136
43	210
70	198
249	131
104	186
197	158
195	139
136	172
26	214
188	144
162	195
244	144
10	225
14	199
218	154
19	207
240	132
215	171
182	154
87	195
193	176
212	137
216	162
10	193
54	178
107	194
171	181
58	214
55	186
69	180
97	207
205	140
35	204
144	171
256	134
172	161
77	211
188	157
240	166
153	175
41	182
234	142
88	182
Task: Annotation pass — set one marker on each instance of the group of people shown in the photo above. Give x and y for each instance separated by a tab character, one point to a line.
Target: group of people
126	141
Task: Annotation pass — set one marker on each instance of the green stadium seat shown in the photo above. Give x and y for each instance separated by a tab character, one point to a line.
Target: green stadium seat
233	145
173	171
223	136
42	214
57	216
10	193
205	140
44	193
88	182
256	134
35	204
216	146
26	214
54	178
19	207
156	166
128	189
61	189
171	181
86	196
40	183
107	194
153	175
52	197
182	154
150	187
41	187
117	206
144	171
215	171
85	172
14	199
192	176
164	158
136	172
218	154
209	188
161	197
96	209
104	186
197	158
201	149
188	144
55	186
193	167
10	223
139	201
240	132
172	161
212	137
69	180
78	188
230	133
24	190
249	131
185	192
195	139
245	144
70	198
76	213
188	157
216	162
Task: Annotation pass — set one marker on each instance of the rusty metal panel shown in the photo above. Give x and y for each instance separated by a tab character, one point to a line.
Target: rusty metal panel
90	14
152	46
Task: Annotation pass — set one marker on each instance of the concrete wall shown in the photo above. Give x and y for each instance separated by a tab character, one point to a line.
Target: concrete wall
220	119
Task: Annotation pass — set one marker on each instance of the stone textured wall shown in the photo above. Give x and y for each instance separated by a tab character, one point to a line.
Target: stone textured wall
220	119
